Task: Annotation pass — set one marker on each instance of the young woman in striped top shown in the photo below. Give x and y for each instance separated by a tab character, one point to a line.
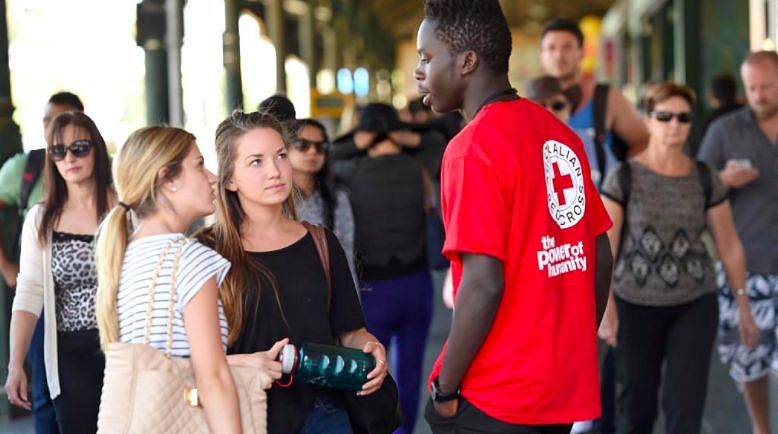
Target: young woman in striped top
161	179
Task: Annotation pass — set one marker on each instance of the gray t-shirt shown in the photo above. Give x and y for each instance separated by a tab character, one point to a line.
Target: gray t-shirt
662	260
737	135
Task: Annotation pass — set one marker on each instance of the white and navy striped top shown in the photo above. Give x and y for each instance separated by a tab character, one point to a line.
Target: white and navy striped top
197	264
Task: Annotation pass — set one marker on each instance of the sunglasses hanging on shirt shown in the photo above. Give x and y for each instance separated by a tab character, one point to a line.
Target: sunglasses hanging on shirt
79	149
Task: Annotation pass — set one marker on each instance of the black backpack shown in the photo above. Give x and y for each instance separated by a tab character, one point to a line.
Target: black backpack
32	171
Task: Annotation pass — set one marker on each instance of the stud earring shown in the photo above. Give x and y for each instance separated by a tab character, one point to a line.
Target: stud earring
174	189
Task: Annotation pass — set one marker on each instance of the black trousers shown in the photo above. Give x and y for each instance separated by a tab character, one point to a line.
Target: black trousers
81	366
678	338
470	420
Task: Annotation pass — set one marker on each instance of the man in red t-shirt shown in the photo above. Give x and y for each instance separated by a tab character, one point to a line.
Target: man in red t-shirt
525	233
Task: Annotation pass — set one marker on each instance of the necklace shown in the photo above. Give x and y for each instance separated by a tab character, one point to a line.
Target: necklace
497	95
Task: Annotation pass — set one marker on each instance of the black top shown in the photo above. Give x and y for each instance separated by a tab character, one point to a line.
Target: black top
387	197
302	293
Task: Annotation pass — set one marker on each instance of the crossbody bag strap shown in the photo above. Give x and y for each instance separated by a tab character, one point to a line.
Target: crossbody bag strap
179	245
322	248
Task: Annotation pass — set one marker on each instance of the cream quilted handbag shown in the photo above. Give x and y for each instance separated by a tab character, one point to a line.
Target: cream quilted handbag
148	391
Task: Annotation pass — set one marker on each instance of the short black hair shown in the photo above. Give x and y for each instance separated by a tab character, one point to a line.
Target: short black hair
477	25
67	99
724	88
280	107
563	25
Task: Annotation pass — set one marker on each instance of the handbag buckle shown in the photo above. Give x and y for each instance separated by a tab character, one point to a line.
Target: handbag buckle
192	396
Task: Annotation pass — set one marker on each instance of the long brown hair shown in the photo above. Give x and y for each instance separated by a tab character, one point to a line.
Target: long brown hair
225	235
136	168
56	190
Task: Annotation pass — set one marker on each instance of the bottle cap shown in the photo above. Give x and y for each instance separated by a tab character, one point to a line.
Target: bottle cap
288	355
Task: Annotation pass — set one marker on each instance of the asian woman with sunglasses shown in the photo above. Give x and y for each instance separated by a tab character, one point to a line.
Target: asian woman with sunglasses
58	276
323	202
663	309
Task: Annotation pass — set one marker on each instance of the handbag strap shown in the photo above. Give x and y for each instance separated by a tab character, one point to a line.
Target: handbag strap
320	240
179	244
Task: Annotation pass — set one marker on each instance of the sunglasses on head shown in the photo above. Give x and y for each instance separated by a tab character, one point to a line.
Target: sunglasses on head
79	149
555	105
683	117
303	145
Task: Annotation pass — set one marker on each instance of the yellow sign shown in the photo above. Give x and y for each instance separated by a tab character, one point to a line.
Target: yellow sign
329	105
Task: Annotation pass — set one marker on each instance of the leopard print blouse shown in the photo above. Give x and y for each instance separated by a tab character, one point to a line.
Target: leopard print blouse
75	281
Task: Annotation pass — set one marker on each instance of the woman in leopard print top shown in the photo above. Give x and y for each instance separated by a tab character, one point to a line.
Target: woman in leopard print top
58	276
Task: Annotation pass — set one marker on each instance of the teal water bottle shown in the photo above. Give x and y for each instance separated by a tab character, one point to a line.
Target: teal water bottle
326	365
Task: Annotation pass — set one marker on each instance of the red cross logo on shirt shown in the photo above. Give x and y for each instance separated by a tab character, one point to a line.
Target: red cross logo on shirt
561	183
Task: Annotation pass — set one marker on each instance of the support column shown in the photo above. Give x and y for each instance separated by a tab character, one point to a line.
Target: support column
174	38
275	27
151	36
10	144
231	44
689	61
10	138
306	36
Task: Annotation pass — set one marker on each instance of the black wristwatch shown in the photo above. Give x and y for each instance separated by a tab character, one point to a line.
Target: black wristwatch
439	397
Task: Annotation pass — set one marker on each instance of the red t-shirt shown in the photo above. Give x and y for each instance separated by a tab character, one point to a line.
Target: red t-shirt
516	186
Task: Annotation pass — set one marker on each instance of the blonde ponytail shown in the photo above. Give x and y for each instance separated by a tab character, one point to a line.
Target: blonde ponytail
111	244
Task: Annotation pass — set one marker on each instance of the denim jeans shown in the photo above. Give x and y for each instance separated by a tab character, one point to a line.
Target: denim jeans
326	418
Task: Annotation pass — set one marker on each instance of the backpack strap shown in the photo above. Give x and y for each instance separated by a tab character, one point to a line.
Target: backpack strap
625	184
32	171
319	236
703	171
600	108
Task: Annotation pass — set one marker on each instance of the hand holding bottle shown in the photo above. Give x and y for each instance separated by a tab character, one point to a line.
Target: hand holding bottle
377	375
266	361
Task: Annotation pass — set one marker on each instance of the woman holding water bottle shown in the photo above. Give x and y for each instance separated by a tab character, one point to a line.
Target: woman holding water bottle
277	287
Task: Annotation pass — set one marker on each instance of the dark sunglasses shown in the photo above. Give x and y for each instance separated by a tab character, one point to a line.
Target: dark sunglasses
556	105
303	145
79	149
683	117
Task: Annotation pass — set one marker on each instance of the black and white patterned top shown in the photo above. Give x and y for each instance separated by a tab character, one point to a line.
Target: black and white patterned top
312	210
662	260
75	281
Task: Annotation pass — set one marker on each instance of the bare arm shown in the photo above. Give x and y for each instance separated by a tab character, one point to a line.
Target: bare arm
730	250
478	298
22	327
212	374
609	327
602	277
626	123
363	340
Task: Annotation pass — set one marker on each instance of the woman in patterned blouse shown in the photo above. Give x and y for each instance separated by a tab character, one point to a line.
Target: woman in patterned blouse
58	277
